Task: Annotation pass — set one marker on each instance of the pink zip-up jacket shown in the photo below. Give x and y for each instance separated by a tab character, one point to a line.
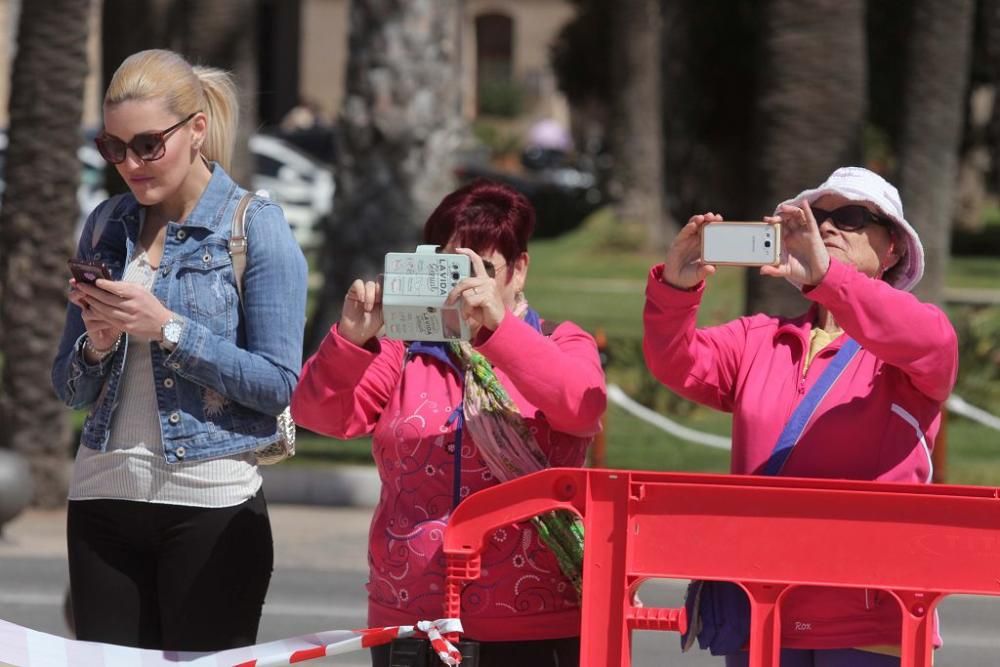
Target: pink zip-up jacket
558	385
878	421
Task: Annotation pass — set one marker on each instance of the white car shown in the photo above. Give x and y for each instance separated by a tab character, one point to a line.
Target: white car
302	185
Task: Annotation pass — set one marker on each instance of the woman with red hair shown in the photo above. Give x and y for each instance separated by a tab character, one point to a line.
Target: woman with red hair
432	445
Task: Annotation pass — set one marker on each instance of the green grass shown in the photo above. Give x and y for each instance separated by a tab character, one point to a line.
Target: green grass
971	453
594	277
976	272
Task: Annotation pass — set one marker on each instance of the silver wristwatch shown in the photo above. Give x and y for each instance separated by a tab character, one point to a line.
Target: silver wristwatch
170	333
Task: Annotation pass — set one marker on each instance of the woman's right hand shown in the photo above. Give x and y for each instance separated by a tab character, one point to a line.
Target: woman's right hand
101	332
683	268
361	316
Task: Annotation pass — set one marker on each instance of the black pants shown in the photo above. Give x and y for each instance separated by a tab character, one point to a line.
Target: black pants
169	577
538	653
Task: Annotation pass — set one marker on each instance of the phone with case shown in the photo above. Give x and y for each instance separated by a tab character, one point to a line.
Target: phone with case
415	286
741	243
88	271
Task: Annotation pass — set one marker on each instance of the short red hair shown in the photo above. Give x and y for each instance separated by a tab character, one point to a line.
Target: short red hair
483	215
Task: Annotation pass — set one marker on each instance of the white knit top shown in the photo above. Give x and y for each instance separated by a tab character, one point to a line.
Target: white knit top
134	467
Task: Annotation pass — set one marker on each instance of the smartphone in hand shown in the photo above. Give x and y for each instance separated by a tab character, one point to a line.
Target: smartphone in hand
88	271
741	243
415	287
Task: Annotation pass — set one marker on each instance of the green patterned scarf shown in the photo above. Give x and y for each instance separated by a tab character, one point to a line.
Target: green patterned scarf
510	450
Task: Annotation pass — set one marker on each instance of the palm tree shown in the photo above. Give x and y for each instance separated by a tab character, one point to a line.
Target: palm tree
933	103
399	130
37	221
810	112
637	123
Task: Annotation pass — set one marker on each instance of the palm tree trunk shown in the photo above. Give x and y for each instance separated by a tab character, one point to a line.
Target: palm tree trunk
37	220
934	93
810	112
637	121
399	130
991	27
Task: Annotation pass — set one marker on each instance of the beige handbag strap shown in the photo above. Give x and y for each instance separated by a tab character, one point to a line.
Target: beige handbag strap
238	241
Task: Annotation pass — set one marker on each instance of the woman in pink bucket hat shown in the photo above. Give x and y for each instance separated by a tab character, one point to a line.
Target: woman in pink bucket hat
851	389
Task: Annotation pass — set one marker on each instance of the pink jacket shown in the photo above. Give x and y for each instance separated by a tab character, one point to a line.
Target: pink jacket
557	383
878	422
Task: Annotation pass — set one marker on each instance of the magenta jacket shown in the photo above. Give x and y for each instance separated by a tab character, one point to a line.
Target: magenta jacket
557	383
878	422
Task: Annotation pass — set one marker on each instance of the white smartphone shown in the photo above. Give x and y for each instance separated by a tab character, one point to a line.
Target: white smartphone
415	286
741	243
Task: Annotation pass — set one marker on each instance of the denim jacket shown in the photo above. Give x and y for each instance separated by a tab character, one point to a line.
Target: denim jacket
218	392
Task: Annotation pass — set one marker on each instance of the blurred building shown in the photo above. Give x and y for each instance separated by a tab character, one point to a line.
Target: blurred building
505	56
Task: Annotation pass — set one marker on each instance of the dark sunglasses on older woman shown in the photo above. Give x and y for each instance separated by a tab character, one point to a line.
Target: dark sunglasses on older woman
147	146
851	218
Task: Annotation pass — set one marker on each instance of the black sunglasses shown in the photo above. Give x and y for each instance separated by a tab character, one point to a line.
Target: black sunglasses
147	146
491	268
850	218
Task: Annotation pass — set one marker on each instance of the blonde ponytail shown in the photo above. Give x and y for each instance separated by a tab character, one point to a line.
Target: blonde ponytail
223	110
166	75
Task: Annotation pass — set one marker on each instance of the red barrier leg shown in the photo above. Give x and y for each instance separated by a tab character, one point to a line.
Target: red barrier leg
918	628
765	628
605	638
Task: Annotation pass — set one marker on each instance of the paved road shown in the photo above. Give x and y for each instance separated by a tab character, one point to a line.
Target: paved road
319	579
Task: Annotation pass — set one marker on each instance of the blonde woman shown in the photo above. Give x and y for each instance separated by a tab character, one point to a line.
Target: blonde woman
169	538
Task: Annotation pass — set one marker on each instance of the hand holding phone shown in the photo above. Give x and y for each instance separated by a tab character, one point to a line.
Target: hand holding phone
741	243
683	268
361	314
88	271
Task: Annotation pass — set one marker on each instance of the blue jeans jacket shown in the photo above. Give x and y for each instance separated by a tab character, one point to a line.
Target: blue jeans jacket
234	369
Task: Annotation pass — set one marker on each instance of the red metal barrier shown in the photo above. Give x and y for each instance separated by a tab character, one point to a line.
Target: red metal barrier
918	542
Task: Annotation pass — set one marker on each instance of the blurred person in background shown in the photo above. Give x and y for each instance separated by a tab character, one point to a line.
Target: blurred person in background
432	442
848	247
169	540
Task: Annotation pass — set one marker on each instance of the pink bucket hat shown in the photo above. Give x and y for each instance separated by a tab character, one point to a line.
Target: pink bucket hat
861	185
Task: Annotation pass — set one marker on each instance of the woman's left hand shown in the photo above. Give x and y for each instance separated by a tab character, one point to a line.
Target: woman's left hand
482	300
804	258
130	307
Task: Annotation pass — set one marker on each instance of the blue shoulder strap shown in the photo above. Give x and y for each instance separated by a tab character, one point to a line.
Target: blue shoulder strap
804	412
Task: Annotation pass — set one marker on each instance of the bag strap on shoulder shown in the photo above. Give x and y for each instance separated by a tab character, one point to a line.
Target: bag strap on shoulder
109	209
803	413
238	241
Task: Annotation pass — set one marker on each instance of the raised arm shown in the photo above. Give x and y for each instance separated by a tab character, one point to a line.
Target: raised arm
344	387
895	326
560	374
701	365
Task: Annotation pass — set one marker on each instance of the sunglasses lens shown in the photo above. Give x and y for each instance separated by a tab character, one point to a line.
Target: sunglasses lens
845	218
148	146
491	270
110	148
851	218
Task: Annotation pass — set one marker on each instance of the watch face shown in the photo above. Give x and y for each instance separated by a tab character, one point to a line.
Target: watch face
172	331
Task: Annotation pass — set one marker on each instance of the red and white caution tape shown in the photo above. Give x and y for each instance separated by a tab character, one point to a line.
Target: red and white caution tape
445	649
23	647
